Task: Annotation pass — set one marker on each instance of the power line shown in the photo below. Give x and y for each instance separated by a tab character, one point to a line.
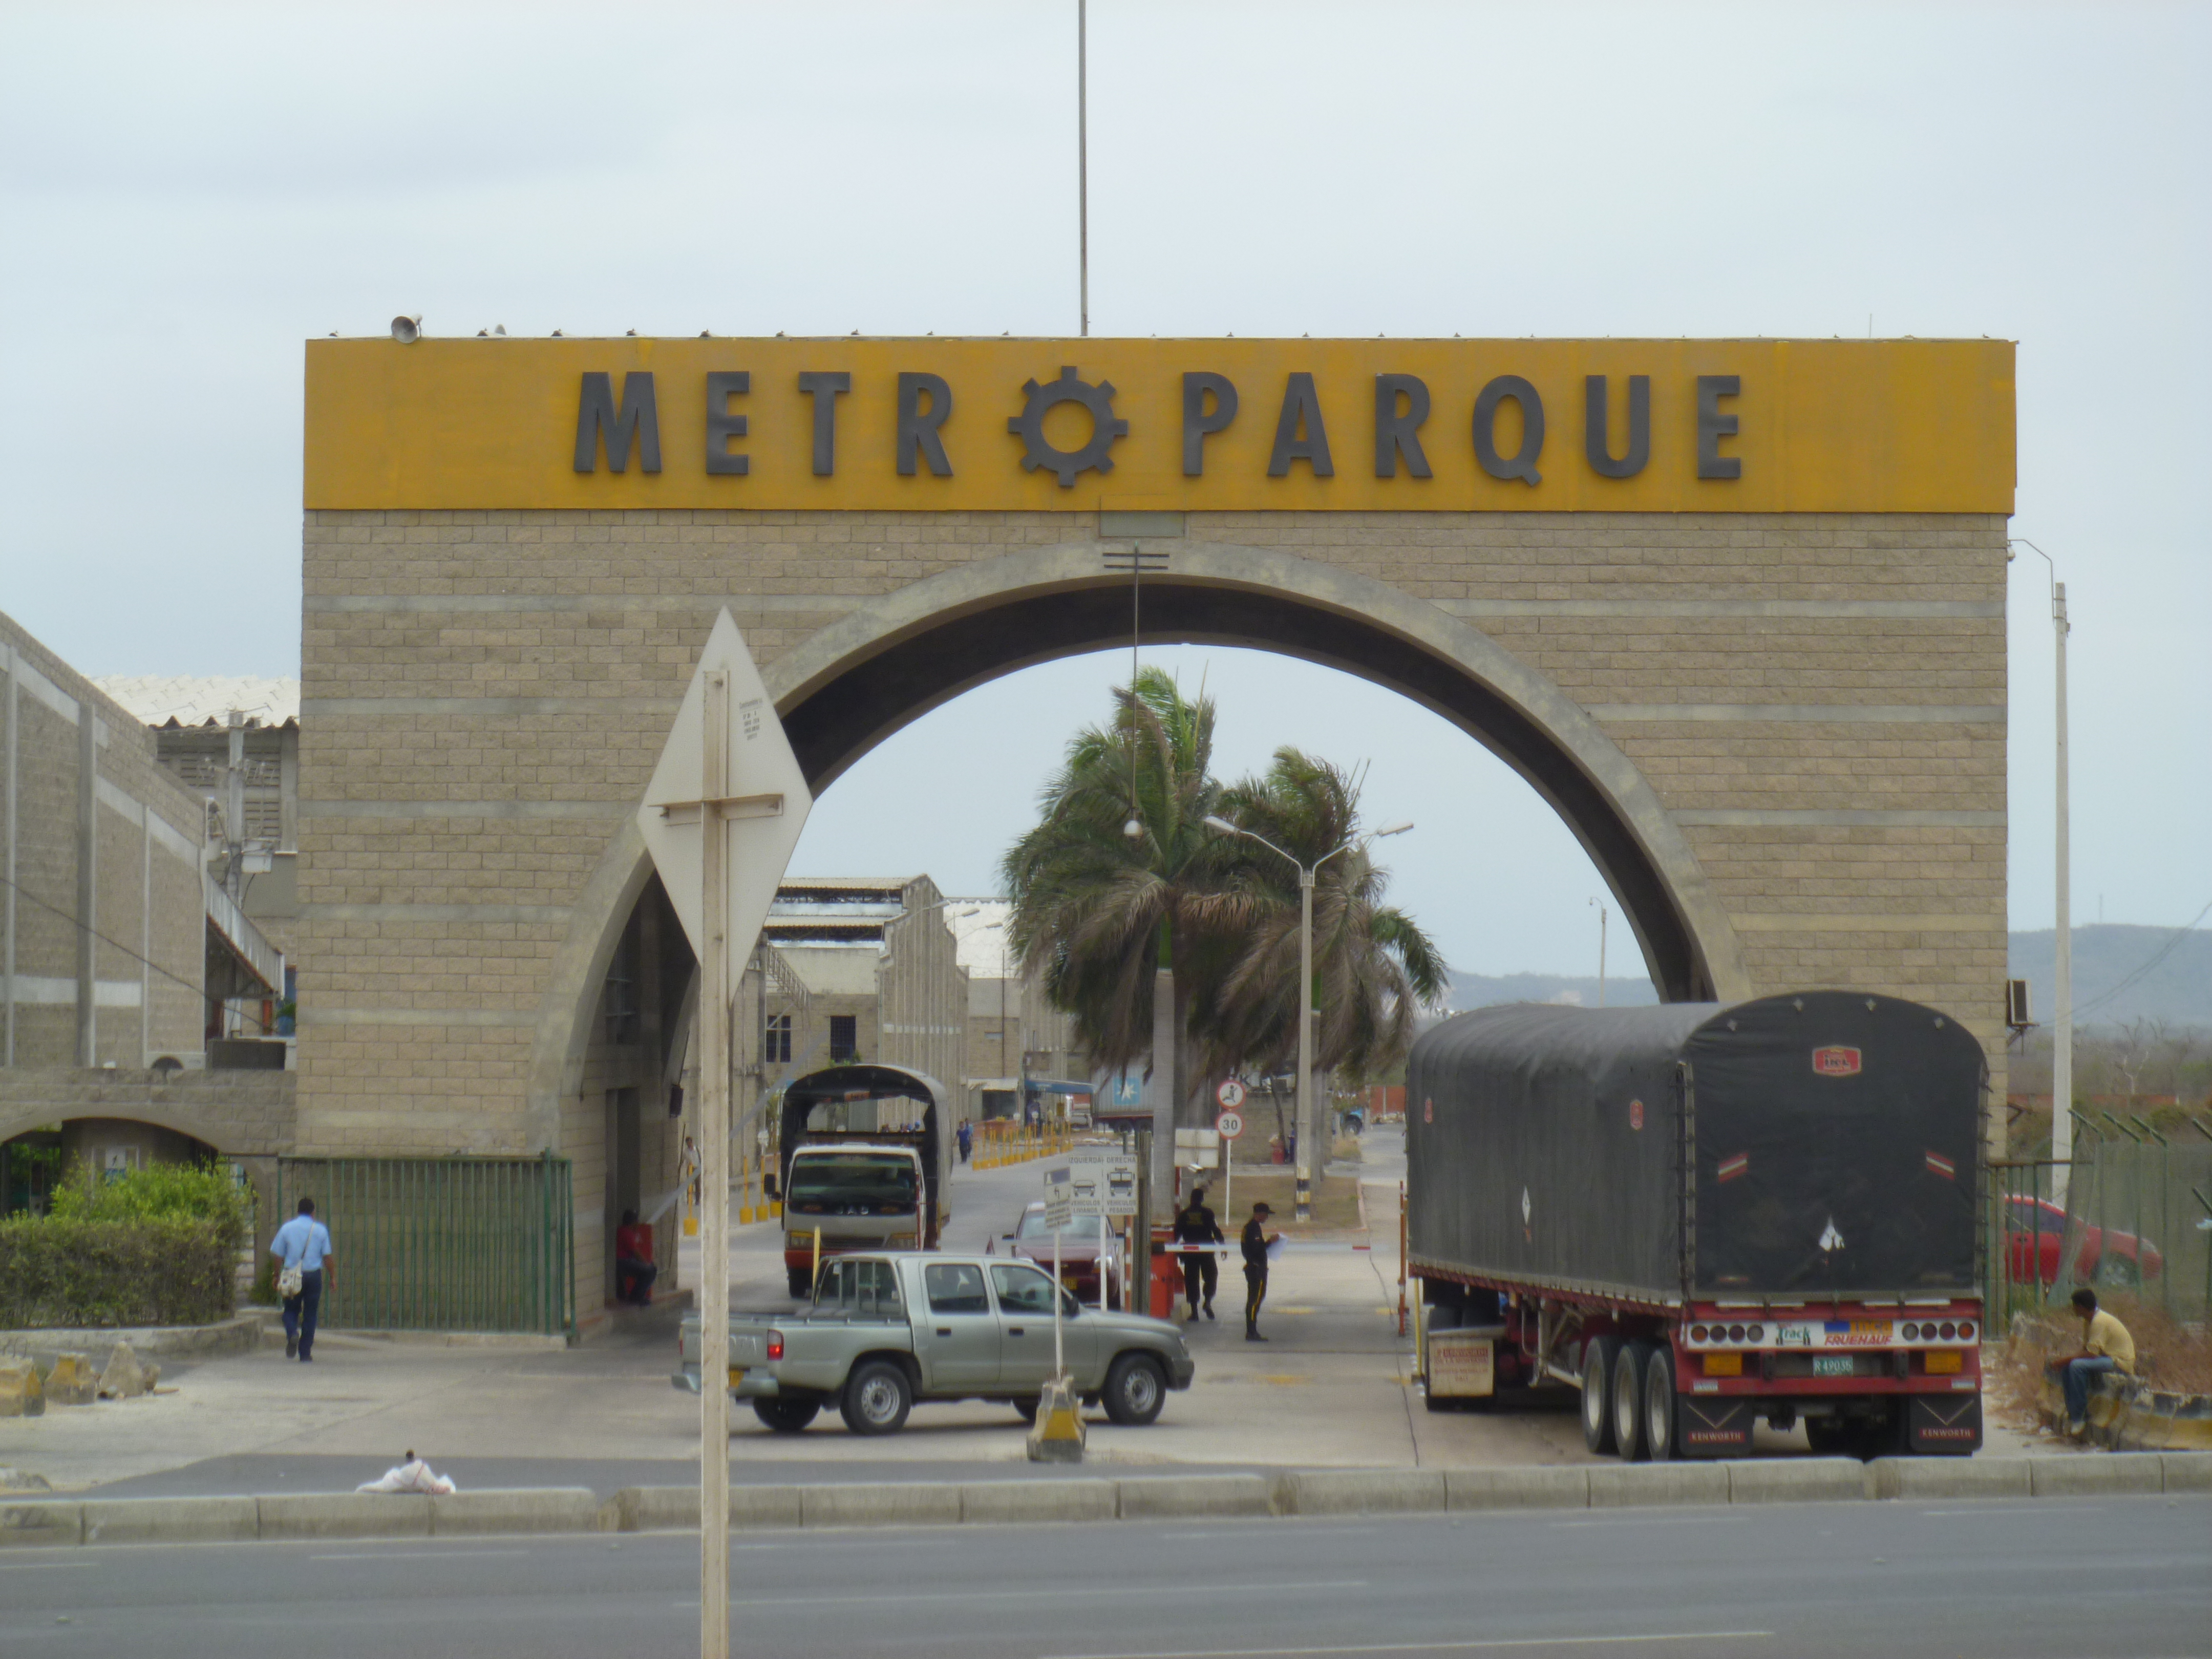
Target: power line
2159	956
72	917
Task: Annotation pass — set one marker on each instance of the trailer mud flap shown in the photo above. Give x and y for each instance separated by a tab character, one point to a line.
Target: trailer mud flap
1942	1425
1714	1428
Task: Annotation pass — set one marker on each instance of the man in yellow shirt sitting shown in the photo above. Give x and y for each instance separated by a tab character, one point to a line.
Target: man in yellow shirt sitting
2105	1347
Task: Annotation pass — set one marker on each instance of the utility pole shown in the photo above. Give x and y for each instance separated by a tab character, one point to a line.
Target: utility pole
2062	1016
1601	953
1083	159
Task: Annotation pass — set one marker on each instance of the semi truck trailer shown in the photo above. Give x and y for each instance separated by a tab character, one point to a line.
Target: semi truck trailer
1703	1217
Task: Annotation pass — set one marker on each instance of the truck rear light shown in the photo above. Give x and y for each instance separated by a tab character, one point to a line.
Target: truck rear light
1736	1332
1949	1330
1697	1332
775	1344
1966	1328
1910	1332
1756	1333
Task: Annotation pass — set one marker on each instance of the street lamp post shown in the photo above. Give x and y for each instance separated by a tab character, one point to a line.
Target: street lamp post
1307	1119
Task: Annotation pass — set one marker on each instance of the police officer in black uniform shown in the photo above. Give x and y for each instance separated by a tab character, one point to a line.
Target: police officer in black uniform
1254	1242
1196	1227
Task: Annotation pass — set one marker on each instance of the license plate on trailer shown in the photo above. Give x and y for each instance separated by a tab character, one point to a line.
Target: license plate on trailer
1833	1364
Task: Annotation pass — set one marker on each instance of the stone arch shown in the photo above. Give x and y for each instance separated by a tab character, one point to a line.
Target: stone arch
857	681
155	1115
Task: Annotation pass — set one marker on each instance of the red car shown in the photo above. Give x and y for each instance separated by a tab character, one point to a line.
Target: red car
1080	1246
2035	1238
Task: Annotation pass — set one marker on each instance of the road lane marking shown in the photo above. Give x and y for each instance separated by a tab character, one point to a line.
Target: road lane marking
847	1535
1267	1530
1063	1592
423	1555
47	1566
1433	1647
2045	1509
1662	1521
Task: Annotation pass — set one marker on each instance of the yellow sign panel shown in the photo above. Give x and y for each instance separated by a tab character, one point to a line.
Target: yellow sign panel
931	425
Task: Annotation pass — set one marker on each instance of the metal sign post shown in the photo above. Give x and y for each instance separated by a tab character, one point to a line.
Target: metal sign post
1228	1125
720	817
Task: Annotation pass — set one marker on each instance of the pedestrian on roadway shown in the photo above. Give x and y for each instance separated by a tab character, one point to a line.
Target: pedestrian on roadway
967	1139
1254	1242
2105	1348
1197	1232
302	1248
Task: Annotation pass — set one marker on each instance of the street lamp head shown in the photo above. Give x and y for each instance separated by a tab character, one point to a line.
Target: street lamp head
1133	830
1393	830
1220	826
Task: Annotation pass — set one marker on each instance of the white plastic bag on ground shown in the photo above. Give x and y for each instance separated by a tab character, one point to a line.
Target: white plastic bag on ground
413	1476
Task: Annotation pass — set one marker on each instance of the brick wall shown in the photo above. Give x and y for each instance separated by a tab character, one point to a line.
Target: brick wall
1817	700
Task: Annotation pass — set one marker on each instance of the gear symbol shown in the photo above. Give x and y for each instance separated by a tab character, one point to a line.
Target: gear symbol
1029	426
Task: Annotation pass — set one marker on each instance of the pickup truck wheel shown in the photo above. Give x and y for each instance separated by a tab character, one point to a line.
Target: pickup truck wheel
1659	1421
787	1416
877	1397
1629	1424
1135	1390
801	1286
1026	1410
1598	1393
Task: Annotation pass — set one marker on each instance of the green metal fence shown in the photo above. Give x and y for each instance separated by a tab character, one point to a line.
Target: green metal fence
2136	1217
442	1243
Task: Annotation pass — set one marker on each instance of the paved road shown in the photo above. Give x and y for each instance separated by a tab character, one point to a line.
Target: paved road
2047	1581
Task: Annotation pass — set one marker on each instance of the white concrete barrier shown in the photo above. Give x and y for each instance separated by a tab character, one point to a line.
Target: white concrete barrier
656	1509
1363	1491
1177	1496
1010	1502
1911	1479
346	1515
1618	1485
1538	1488
904	1504
523	1510
2186	1471
1797	1479
759	1506
2094	1474
28	1522
171	1520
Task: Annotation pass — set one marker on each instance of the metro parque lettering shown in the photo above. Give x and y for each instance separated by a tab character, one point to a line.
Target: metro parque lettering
618	428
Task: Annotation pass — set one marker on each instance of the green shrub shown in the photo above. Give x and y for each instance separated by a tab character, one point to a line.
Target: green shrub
161	1192
150	1270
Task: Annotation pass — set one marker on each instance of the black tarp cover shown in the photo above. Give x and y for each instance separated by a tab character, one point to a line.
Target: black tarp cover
1545	1146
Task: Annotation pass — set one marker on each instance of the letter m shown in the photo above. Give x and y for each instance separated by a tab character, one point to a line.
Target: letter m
638	423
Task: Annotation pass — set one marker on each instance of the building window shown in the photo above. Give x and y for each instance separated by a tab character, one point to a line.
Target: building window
775	1044
844	1037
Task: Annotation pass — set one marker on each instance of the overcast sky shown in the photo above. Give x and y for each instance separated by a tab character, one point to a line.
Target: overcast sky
187	193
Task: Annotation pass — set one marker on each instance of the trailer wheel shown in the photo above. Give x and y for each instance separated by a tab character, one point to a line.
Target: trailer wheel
1659	1422
877	1398
1629	1423
1598	1393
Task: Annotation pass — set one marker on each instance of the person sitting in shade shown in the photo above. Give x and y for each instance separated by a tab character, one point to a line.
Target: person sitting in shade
2105	1348
635	1269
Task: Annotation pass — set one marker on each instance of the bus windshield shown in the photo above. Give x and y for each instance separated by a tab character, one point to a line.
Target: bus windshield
879	1180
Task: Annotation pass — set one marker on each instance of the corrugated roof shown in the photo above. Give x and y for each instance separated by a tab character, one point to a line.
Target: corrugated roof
204	699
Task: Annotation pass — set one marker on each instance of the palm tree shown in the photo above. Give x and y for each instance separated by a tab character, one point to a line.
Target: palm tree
1373	965
1121	878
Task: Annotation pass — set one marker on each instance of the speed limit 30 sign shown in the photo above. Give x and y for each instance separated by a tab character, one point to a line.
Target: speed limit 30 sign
1229	1125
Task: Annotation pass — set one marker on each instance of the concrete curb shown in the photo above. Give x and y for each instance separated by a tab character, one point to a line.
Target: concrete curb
550	1510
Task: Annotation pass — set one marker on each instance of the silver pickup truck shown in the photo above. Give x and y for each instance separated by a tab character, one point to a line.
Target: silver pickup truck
889	1328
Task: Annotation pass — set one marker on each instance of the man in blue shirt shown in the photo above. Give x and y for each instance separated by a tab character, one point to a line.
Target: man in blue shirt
303	1242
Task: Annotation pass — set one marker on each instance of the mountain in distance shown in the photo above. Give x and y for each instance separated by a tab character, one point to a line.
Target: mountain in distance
2121	974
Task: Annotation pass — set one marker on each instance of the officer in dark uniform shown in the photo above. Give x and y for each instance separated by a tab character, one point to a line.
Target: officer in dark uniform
1254	1242
1196	1227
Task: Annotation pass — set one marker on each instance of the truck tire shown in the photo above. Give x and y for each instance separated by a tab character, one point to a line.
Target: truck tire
1135	1390
787	1416
1630	1430
877	1397
1598	1393
1661	1423
1833	1437
802	1286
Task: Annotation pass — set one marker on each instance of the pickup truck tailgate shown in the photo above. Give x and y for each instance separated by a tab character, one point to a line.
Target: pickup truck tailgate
748	1347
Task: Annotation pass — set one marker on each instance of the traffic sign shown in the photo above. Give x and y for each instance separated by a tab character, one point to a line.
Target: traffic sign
1059	1196
1231	1124
1230	1093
